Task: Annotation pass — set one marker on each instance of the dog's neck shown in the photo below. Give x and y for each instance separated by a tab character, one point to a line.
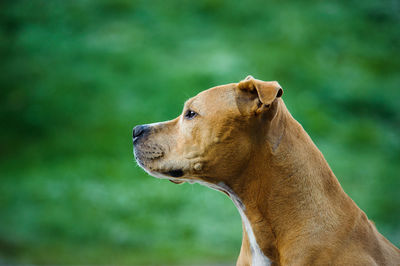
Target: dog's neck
284	191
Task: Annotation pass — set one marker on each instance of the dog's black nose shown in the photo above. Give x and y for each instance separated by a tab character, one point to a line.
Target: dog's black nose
139	130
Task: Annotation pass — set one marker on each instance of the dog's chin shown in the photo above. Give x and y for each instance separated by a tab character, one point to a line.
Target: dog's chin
175	175
172	175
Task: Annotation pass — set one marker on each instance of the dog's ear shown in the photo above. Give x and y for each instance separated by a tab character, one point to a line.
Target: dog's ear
267	91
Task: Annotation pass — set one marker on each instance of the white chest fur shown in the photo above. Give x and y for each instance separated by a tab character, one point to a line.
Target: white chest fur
257	256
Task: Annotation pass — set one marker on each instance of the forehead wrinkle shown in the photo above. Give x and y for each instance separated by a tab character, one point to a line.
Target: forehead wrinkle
188	102
220	92
194	105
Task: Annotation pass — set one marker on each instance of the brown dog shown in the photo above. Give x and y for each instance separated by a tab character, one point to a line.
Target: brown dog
241	139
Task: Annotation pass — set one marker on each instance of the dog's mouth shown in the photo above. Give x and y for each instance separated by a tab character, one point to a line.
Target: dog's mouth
174	173
171	175
148	157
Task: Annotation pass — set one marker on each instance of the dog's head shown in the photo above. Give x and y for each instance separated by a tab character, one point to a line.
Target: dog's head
215	136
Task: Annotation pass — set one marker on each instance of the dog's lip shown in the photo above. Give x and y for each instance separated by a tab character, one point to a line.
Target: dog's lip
174	173
176	181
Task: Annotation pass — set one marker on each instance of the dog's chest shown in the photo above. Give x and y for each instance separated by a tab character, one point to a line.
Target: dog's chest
257	256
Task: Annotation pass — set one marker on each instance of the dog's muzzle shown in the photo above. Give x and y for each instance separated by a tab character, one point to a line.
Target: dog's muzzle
145	150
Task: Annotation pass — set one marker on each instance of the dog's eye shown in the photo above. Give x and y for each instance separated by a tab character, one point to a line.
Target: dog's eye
190	114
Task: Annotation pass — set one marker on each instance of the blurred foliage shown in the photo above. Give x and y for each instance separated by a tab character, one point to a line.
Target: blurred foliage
76	76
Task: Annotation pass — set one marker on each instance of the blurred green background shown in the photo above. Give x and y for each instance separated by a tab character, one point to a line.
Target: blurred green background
76	76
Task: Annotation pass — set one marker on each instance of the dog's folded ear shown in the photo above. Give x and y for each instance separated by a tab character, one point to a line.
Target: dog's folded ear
267	91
